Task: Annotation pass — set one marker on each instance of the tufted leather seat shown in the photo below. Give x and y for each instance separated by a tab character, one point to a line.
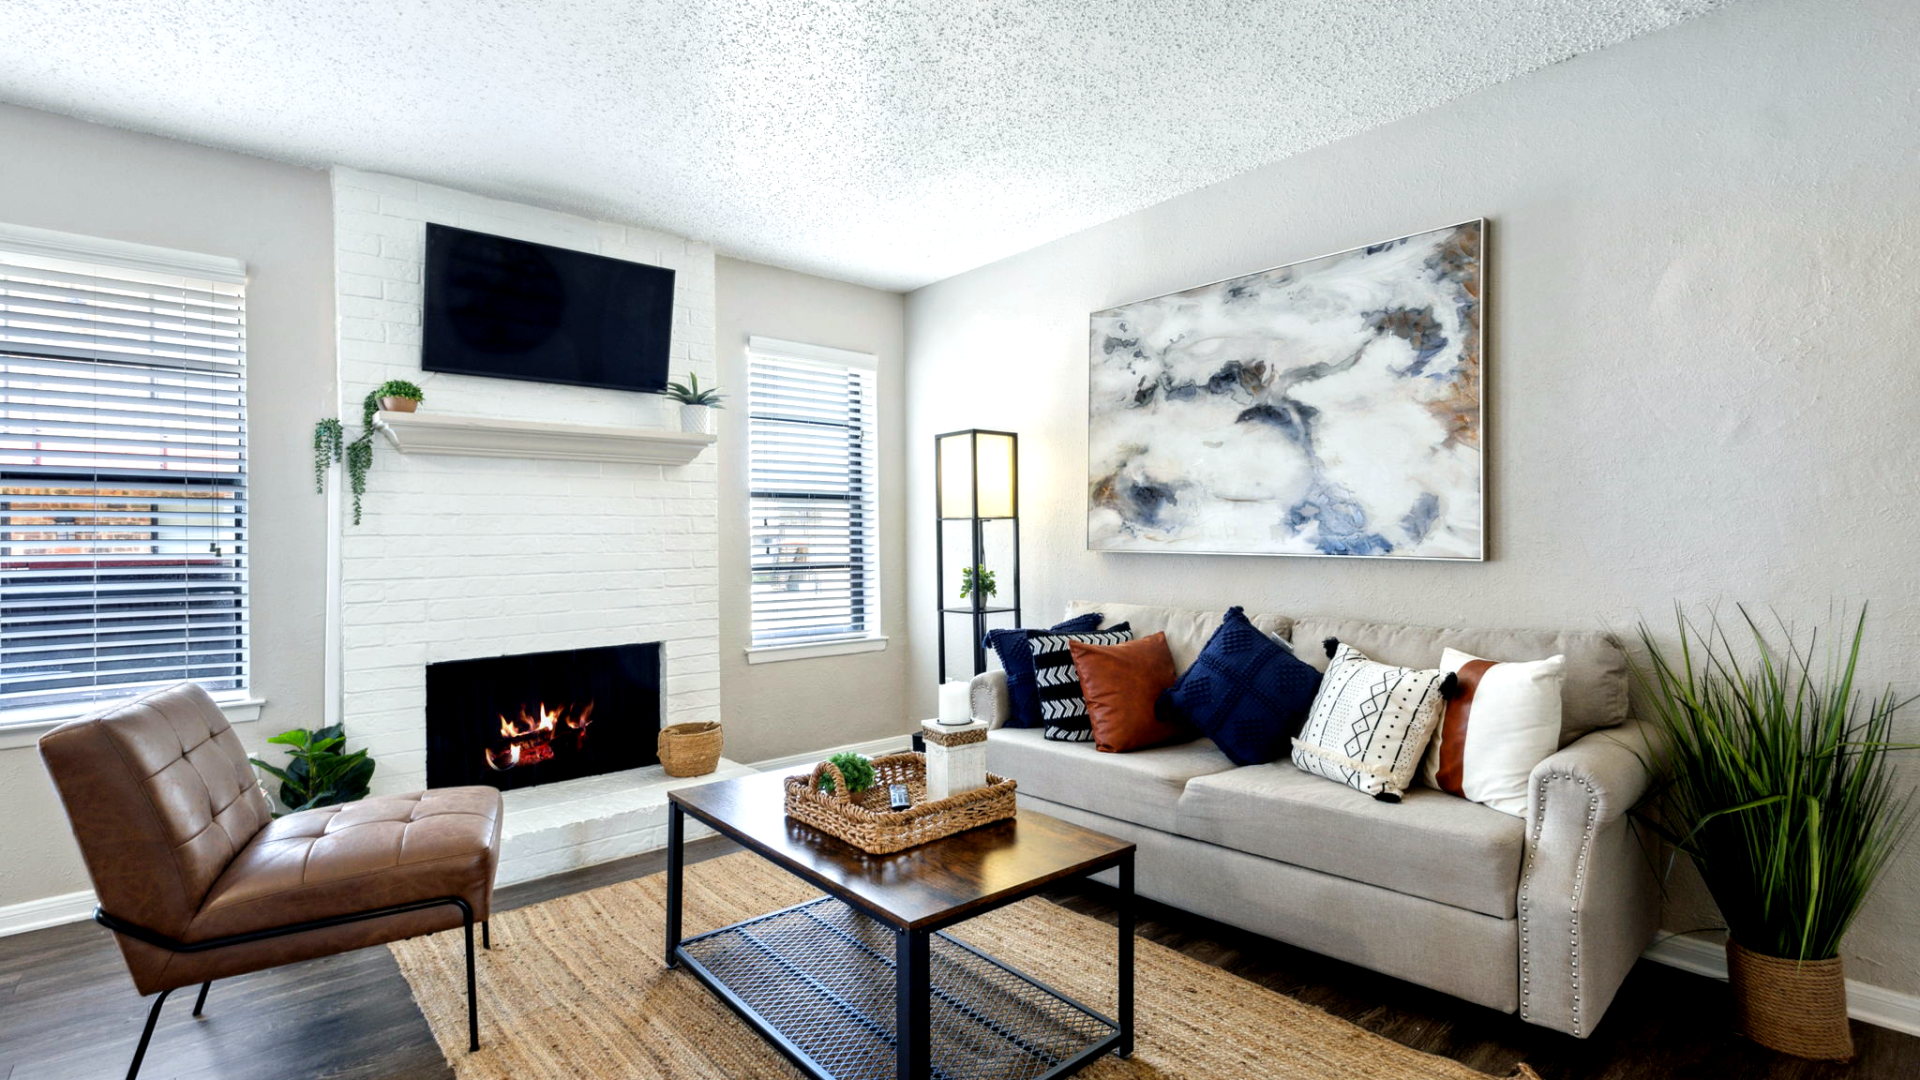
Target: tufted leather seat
184	852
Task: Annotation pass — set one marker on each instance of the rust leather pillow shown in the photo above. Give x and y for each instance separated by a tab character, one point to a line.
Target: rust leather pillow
1122	683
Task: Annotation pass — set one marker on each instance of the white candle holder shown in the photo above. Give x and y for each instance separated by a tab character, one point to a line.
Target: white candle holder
956	757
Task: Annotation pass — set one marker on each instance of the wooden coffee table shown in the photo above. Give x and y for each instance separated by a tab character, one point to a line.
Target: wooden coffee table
832	983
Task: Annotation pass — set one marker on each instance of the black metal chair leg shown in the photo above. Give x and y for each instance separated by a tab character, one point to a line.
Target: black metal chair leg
201	1002
146	1036
473	1001
486	934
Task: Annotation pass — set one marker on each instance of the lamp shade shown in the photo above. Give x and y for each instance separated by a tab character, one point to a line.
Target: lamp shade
977	464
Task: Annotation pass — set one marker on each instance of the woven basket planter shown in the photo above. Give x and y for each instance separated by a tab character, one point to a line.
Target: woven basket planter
867	822
1797	1007
690	749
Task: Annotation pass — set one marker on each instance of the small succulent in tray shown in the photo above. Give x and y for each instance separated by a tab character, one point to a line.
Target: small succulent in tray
856	768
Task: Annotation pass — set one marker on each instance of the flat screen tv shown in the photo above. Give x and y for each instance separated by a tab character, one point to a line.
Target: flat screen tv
507	309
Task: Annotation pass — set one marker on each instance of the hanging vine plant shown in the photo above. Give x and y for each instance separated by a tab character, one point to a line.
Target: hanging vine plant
330	445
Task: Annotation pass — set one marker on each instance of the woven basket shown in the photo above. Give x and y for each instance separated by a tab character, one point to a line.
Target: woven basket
690	749
865	821
1797	1007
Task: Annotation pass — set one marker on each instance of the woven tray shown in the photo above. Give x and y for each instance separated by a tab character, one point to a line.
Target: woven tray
865	821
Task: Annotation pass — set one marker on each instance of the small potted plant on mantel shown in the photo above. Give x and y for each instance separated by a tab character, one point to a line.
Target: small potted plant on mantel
696	405
399	395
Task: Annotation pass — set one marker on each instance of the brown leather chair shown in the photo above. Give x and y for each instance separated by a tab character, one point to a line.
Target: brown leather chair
199	882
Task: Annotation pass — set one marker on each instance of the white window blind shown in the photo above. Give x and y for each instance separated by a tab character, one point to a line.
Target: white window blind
813	478
122	472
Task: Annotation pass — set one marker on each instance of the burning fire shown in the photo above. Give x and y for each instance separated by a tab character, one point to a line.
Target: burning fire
531	735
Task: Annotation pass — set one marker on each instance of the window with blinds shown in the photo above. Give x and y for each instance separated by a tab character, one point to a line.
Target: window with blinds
813	478
122	472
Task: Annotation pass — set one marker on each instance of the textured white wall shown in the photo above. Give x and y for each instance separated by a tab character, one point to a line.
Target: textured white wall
802	705
1703	382
459	557
57	173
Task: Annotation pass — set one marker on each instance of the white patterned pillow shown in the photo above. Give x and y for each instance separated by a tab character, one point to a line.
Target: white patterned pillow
1370	722
1056	682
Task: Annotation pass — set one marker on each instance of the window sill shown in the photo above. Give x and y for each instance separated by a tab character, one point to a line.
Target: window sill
773	654
23	727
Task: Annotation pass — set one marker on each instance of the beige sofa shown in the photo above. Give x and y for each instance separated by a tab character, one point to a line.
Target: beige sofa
1541	915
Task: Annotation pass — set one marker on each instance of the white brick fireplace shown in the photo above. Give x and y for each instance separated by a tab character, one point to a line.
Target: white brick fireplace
459	557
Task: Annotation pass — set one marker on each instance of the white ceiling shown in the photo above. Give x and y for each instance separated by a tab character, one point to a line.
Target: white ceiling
888	142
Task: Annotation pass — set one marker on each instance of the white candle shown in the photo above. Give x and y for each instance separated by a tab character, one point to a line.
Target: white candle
956	703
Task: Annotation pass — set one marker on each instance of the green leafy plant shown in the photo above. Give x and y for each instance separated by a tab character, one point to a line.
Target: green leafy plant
1775	779
398	388
689	393
977	577
320	772
329	438
857	770
330	445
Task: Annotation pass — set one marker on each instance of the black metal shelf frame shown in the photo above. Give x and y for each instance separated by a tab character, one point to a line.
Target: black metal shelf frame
979	610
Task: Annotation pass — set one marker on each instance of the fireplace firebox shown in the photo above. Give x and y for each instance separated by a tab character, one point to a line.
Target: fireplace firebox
538	718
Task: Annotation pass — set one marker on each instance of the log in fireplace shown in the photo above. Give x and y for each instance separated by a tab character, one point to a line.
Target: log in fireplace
538	718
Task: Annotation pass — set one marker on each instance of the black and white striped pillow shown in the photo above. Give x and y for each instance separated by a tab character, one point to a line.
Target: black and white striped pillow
1063	705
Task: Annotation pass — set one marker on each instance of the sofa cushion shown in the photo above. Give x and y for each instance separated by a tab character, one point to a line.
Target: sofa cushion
1430	844
1142	787
1246	692
1122	685
1595	694
1188	629
1015	651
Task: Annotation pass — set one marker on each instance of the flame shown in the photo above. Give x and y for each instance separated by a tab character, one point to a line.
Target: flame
530	735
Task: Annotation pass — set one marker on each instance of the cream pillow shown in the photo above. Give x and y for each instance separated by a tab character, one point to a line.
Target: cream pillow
1504	721
1369	725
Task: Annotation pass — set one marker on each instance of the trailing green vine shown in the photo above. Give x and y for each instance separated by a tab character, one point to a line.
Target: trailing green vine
331	448
328	440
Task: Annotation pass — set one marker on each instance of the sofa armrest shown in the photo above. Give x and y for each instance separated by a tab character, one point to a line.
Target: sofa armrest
1610	765
1588	901
988	700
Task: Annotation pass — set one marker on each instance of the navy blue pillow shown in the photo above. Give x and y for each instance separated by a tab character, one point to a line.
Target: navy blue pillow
1245	692
1016	656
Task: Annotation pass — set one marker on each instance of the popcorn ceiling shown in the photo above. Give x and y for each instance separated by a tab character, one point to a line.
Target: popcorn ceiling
886	142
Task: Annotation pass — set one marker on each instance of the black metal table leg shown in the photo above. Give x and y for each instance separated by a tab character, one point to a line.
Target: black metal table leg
913	1005
1125	1049
146	1035
473	997
201	1001
486	934
676	831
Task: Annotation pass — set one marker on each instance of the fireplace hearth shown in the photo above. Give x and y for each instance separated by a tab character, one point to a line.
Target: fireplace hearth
539	718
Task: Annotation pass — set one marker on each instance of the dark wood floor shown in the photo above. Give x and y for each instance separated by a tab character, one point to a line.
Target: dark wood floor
67	1010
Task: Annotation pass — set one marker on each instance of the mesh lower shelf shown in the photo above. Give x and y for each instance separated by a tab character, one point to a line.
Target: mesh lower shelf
822	975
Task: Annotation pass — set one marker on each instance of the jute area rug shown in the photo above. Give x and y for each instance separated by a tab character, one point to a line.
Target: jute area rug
575	987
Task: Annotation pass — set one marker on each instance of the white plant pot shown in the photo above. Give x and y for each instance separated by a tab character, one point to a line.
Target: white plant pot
696	419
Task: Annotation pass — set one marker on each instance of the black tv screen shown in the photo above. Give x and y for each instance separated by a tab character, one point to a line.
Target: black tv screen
508	309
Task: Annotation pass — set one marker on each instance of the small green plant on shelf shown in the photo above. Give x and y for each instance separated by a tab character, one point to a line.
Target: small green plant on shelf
320	772
855	768
689	393
977	577
330	445
398	390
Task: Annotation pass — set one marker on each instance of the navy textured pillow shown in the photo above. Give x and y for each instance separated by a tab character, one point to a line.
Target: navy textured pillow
1016	657
1245	692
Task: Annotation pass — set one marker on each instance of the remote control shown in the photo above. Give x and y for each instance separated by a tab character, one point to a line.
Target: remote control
898	794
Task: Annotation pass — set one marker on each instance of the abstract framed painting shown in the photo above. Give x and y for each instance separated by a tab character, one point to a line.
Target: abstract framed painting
1326	407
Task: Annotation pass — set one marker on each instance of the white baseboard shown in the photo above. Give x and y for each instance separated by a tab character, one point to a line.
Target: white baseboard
871	748
47	911
1866	1003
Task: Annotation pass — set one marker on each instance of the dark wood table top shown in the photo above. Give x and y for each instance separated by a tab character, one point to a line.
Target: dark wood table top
923	887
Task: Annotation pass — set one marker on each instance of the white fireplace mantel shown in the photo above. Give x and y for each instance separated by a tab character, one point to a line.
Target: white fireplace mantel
474	436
